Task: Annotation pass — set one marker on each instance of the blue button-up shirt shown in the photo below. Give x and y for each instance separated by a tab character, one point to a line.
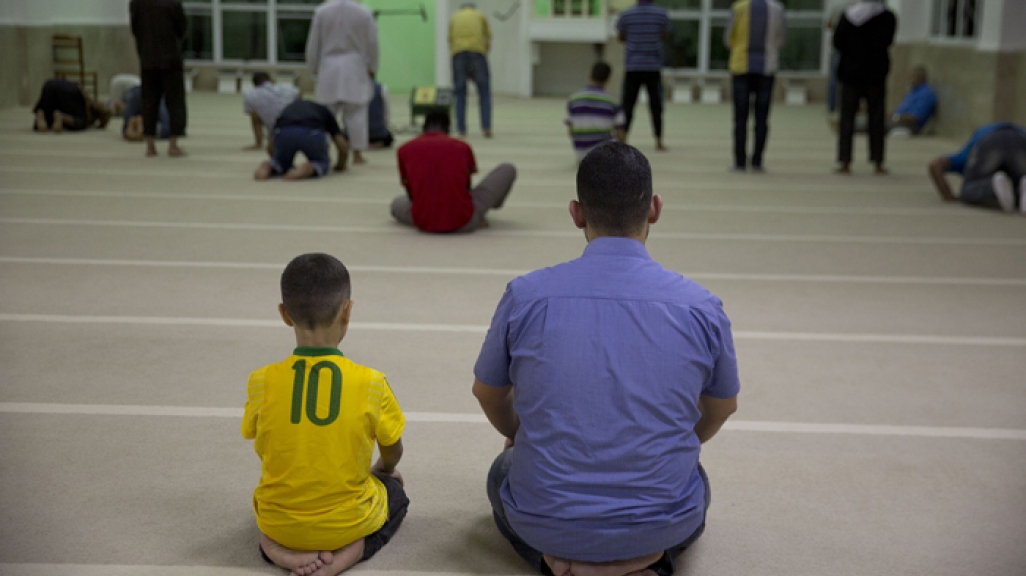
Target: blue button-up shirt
920	102
608	355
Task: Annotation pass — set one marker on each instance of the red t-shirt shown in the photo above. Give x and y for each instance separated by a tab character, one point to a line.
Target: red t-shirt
436	171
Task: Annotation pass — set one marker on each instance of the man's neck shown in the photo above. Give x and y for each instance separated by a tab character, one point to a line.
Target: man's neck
593	234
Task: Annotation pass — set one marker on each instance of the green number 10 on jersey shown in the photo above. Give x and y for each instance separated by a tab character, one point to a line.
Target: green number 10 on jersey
310	384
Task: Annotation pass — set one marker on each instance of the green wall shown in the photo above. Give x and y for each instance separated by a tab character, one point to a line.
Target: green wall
407	45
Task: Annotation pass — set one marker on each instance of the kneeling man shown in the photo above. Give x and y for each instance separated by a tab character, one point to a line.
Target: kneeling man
605	374
303	126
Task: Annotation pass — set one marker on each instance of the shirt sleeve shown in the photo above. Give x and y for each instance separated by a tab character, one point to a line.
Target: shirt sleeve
724	382
391	421
247	102
254	401
492	367
471	161
330	123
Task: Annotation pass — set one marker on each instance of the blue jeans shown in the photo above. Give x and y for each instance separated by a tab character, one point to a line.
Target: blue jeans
497	475
1003	150
745	85
471	66
312	142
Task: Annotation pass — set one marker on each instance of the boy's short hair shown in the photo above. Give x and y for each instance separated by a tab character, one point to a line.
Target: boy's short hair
614	187
437	118
600	72
260	77
313	288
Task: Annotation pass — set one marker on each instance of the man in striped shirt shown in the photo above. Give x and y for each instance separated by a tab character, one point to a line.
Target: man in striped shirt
755	34
643	28
593	116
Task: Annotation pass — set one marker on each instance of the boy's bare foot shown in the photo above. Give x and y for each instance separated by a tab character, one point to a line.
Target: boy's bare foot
58	122
342	559
843	169
300	563
306	170
263	172
41	122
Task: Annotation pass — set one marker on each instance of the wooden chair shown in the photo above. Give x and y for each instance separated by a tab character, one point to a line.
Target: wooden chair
69	63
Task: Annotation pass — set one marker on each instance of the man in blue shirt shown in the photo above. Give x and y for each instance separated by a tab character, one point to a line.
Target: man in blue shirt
992	164
605	374
643	28
919	104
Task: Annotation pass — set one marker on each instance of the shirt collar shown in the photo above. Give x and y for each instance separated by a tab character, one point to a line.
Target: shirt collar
617	246
316	351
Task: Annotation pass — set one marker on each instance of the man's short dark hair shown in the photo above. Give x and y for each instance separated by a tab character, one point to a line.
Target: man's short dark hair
260	77
614	187
437	119
600	72
313	288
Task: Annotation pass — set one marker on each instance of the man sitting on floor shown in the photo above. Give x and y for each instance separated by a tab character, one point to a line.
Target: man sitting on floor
918	107
605	374
992	164
435	169
264	104
303	126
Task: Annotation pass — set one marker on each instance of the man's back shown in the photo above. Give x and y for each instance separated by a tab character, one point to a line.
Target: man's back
755	34
468	32
642	27
608	355
436	171
268	100
315	438
307	114
864	36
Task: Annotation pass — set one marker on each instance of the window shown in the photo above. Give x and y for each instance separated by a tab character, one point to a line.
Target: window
257	31
955	18
696	44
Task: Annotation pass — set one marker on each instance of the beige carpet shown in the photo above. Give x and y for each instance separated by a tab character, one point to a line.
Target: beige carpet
881	337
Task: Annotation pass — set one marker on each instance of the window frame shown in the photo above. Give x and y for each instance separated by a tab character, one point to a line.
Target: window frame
270	8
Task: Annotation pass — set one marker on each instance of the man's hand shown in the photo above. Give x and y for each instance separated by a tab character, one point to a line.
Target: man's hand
715	412
497	404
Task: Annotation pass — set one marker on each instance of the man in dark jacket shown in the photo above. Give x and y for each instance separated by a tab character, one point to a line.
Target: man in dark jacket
863	37
159	27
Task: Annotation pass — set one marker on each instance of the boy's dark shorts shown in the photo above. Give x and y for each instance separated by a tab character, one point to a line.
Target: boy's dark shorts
397	505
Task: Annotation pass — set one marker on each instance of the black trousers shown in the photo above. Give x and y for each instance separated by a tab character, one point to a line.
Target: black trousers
168	83
744	87
652	80
851	96
62	96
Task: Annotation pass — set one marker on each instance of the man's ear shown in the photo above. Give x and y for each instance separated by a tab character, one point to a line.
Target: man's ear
655	209
285	316
577	214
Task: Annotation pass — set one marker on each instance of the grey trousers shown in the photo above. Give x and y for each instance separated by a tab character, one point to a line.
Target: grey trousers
489	194
354	118
1003	150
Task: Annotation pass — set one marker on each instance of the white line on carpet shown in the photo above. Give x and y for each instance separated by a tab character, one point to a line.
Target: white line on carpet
822	278
656	234
854	338
455	417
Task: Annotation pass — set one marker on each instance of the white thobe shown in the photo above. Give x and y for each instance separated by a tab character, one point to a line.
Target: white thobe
342	49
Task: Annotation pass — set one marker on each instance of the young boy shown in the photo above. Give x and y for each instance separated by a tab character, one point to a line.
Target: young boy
321	506
593	116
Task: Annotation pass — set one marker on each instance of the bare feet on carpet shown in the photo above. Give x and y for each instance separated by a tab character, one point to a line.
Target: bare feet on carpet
41	122
632	567
660	147
358	157
487	133
300	563
58	122
342	559
305	170
843	169
880	170
263	172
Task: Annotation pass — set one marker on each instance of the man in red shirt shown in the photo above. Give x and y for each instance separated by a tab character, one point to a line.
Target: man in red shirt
435	170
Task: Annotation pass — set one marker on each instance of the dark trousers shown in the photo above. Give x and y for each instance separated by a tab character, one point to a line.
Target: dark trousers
497	475
851	96
653	82
744	87
167	83
64	96
1003	150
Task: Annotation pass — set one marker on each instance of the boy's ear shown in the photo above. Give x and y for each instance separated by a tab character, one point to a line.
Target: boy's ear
285	316
345	311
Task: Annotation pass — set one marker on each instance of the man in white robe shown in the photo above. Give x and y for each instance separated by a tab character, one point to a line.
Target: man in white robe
342	49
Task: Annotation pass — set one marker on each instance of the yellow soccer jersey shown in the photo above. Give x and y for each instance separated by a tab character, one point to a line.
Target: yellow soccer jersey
315	418
469	32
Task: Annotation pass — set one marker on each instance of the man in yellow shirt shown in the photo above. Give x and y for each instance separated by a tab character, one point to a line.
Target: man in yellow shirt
469	41
321	506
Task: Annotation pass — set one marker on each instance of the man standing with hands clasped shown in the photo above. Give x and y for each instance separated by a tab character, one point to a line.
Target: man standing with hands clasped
605	374
159	27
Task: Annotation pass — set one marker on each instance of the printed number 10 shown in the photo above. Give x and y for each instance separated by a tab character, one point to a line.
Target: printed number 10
312	386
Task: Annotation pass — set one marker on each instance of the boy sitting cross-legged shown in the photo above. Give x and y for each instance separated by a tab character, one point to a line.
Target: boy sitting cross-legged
321	506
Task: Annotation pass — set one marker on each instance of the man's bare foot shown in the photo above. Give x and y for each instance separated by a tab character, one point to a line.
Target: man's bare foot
41	122
487	133
300	563
175	152
880	170
151	148
263	172
462	134
58	122
631	567
660	147
358	157
843	169
342	559
306	170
